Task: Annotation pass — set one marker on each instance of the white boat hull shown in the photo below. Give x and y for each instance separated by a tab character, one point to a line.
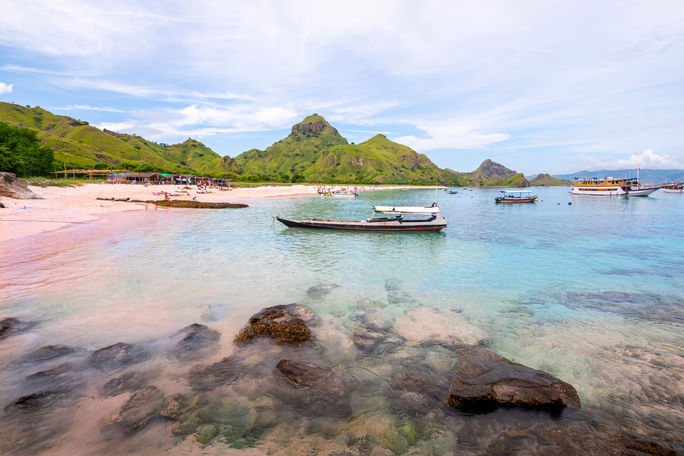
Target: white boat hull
673	190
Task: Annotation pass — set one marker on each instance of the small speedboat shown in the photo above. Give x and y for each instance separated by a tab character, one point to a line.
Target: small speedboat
383	218
676	187
516	196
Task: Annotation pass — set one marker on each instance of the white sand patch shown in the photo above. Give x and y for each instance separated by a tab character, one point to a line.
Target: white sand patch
425	323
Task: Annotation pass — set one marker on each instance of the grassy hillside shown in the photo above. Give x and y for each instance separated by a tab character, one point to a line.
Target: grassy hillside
79	145
315	152
492	174
545	180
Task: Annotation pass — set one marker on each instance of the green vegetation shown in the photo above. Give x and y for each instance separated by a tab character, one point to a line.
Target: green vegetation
21	152
62	182
545	180
492	174
313	152
76	144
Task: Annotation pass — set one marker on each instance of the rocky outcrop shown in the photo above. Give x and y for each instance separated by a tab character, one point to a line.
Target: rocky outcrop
143	406
206	378
321	290
484	380
11	326
130	381
192	339
317	390
283	324
12	187
314	124
48	352
118	355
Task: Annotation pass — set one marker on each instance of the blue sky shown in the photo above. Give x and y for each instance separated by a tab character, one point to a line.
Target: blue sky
538	86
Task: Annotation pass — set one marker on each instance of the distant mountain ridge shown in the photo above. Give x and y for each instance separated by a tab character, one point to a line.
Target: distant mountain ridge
545	180
645	175
492	174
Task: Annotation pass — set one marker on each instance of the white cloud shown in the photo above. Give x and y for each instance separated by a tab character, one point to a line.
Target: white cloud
645	159
6	88
649	159
450	135
76	107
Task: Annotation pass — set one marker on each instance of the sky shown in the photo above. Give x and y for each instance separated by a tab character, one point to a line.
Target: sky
539	86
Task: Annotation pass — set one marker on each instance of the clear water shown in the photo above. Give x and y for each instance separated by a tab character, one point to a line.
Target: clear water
592	291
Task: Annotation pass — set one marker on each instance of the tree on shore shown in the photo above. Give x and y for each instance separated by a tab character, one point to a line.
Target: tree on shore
21	152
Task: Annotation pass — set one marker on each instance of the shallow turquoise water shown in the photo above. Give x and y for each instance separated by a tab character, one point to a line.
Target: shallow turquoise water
591	291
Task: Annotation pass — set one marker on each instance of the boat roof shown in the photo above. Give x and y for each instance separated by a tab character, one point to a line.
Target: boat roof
407	209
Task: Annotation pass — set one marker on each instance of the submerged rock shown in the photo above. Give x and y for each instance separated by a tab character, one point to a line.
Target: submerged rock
321	290
11	326
194	338
130	381
484	380
118	355
50	374
143	406
206	378
416	388
12	187
377	342
35	401
315	389
283	323
48	352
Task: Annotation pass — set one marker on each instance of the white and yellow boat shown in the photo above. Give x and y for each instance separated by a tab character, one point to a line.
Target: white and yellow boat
610	186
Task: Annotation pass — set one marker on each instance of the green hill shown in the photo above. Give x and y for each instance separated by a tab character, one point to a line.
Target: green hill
79	145
315	152
546	180
492	174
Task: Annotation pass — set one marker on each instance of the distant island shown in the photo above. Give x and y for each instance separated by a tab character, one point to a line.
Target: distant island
546	180
314	151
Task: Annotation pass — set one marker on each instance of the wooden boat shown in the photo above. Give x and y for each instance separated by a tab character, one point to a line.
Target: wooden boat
383	218
516	196
676	187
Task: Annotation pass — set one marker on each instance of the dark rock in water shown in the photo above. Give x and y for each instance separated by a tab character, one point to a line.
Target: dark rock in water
392	285
417	388
35	401
484	380
11	326
314	389
284	324
118	355
143	406
206	378
12	187
48	352
50	374
638	445
320	290
377	342
645	306
193	338
130	381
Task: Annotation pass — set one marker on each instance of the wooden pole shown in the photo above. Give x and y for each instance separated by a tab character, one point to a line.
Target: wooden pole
65	173
55	166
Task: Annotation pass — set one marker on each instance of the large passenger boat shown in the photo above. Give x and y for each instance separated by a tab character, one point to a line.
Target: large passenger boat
611	186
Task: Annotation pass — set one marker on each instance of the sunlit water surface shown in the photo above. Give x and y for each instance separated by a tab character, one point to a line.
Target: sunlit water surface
591	292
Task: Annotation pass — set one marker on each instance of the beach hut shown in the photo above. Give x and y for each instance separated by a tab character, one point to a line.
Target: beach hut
143	178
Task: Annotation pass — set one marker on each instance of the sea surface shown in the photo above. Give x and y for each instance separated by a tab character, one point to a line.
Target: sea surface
590	290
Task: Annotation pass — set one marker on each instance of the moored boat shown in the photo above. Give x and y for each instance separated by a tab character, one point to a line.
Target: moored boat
611	186
516	196
383	218
675	187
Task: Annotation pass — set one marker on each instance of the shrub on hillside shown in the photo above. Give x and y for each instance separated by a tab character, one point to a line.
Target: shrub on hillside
21	152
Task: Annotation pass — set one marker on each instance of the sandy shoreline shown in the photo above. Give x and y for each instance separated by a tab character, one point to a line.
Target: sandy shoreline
64	206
